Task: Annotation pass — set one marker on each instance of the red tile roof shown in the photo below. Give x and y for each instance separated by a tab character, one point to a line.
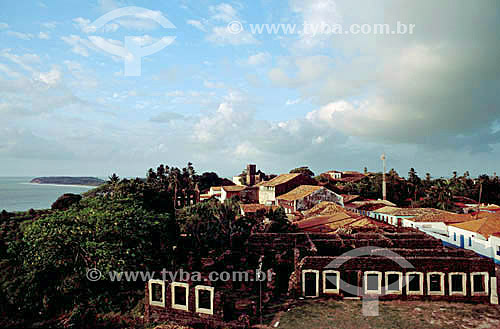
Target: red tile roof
234	188
254	207
281	179
299	192
488	224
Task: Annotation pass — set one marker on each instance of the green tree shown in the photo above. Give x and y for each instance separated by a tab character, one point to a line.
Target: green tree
302	170
109	234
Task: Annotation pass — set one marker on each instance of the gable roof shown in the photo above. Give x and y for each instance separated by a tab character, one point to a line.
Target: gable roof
254	207
349	197
234	188
281	179
358	204
409	212
324	208
443	216
486	226
299	192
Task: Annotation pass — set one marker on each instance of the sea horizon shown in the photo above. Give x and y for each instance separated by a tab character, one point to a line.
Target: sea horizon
18	194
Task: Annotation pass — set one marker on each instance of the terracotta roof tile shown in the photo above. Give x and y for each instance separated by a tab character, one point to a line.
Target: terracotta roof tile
281	179
395	211
299	192
349	197
487	225
442	216
234	188
254	207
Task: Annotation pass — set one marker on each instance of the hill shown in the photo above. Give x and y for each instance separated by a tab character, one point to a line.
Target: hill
65	180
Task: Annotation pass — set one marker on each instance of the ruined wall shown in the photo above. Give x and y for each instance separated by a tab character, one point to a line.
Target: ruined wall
316	197
422	262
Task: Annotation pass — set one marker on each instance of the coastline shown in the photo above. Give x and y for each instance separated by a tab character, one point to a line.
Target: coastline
62	185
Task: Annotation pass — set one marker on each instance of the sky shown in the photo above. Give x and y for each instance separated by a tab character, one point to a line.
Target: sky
221	99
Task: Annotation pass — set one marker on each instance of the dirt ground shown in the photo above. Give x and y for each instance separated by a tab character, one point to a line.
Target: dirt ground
392	314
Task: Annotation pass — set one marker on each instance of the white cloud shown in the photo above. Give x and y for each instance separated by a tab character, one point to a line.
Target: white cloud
175	93
259	58
220	35
246	150
111	27
50	78
25	61
316	14
83	25
9	72
44	35
293	101
73	66
144	40
212	85
197	24
224	12
20	35
79	46
4	26
49	25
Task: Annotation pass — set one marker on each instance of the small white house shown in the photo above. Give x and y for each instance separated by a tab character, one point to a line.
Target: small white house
479	235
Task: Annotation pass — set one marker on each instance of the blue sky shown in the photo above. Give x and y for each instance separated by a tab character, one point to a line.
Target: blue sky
221	100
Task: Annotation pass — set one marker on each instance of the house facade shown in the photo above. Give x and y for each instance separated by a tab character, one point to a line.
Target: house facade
305	197
269	190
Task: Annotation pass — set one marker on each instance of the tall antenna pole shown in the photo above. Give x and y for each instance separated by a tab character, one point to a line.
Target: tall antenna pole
384	187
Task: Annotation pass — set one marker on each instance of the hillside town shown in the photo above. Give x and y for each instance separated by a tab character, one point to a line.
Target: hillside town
454	255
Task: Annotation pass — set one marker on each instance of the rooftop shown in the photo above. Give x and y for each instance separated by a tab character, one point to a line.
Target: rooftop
349	197
234	188
487	225
281	179
254	207
324	208
331	223
438	215
299	192
411	212
358	204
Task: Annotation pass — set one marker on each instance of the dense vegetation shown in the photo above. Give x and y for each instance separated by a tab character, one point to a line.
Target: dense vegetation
414	191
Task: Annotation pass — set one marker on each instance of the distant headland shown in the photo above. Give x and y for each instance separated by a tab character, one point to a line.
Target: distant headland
64	180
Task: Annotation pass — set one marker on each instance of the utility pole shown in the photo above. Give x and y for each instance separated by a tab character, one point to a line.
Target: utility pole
480	194
384	188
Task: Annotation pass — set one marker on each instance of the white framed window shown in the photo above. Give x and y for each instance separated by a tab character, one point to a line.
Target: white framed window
414	283
180	296
204	299
331	282
373	282
479	283
457	283
435	283
393	283
310	283
156	292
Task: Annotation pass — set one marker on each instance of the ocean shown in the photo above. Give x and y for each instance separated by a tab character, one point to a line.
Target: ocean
18	194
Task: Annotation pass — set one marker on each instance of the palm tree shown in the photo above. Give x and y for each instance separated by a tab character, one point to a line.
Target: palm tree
443	195
113	179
